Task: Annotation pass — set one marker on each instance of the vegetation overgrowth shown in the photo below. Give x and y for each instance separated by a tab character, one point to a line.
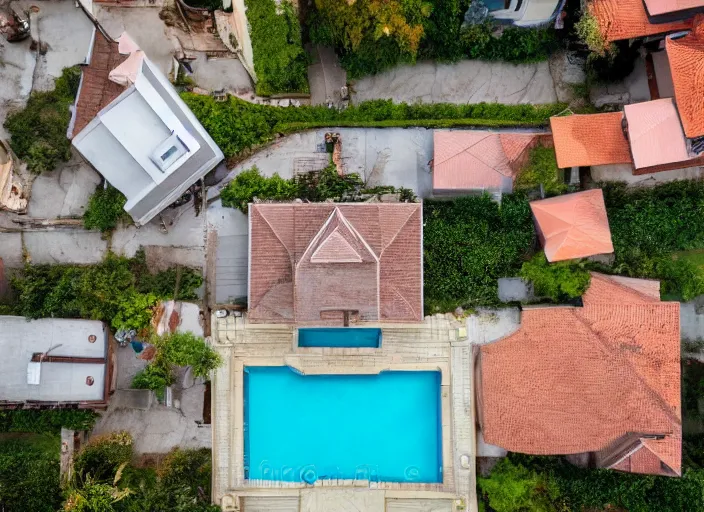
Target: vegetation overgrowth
47	421
117	290
468	244
237	125
314	187
371	36
176	349
542	170
106	208
560	281
29	473
38	132
107	481
280	63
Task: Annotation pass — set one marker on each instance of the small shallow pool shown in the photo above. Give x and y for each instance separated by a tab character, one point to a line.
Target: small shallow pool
340	337
301	428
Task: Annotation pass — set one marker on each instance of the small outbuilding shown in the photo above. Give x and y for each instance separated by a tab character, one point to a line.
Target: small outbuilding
573	225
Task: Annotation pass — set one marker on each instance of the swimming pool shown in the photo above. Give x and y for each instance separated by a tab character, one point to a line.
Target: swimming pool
339	337
300	428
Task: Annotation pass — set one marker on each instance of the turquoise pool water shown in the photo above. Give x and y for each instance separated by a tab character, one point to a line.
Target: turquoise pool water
339	337
301	428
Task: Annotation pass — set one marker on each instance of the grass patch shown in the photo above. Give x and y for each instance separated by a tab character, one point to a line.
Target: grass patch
542	170
280	63
38	132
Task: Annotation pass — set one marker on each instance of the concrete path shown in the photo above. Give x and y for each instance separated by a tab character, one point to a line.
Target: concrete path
467	81
325	76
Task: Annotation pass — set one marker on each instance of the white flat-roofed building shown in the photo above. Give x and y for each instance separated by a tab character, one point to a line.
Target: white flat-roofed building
54	362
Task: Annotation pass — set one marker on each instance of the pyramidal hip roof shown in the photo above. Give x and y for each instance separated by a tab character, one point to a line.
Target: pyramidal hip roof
573	225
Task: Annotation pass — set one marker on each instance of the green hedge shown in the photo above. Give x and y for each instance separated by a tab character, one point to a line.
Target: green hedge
47	421
98	292
237	125
280	63
468	244
517	45
559	281
38	132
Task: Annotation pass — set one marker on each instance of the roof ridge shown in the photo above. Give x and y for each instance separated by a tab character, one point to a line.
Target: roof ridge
606	277
657	398
274	231
393	239
463	150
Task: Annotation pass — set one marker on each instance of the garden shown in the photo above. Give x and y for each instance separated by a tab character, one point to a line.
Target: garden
107	477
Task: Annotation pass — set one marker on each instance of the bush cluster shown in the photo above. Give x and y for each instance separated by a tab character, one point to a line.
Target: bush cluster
313	186
542	170
468	244
181	483
550	484
176	349
117	290
649	224
38	132
102	455
373	35
237	125
559	281
280	63
106	208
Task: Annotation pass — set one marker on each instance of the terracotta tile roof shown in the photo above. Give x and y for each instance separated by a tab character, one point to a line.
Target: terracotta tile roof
582	379
655	133
310	261
656	7
97	91
590	139
475	159
627	19
573	225
686	56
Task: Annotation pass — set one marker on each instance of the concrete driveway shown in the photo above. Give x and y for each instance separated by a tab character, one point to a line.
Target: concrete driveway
467	81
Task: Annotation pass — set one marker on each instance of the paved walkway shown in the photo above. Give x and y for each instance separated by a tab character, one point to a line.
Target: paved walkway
467	81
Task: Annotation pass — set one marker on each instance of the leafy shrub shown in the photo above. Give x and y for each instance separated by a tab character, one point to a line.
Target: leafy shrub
518	45
156	376
649	224
250	184
98	292
102	455
134	311
189	467
237	125
38	132
187	349
560	281
29	473
280	62
589	32
513	487
47	421
468	244
542	170
105	209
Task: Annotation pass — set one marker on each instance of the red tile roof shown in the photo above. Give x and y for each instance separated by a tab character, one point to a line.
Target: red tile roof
655	133
627	19
97	91
477	159
590	139
686	56
310	261
579	379
573	225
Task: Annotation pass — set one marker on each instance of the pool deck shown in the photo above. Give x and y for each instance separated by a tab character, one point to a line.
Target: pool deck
439	343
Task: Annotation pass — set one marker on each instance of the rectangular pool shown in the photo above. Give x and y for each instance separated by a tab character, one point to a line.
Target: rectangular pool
301	428
339	337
